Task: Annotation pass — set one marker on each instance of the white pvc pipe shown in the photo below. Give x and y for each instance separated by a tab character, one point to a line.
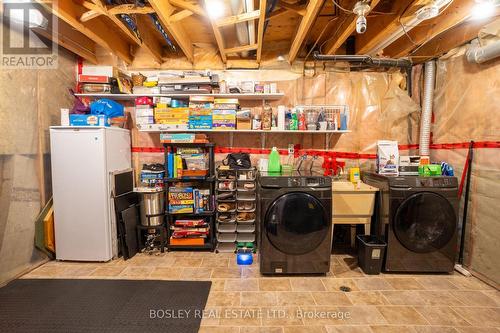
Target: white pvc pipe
425	121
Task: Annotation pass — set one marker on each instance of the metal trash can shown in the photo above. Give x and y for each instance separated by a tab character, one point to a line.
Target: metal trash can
371	251
152	203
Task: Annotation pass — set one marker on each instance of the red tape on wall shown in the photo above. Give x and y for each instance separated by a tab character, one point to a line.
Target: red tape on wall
333	154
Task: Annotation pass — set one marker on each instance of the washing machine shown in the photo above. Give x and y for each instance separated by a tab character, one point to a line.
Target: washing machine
295	233
418	216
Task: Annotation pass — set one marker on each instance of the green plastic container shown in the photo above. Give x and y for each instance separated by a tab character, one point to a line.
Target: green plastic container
429	170
274	165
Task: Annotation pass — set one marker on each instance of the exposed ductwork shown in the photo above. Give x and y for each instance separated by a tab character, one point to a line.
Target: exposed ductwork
425	121
479	54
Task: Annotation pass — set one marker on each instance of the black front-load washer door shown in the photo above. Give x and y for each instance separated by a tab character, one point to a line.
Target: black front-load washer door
296	223
424	222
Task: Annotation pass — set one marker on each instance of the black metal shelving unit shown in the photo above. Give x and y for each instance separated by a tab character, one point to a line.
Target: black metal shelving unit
209	179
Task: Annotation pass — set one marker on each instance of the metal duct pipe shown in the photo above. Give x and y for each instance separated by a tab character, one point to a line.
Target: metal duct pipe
365	60
477	54
425	121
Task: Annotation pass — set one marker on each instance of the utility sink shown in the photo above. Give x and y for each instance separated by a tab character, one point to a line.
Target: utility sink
353	204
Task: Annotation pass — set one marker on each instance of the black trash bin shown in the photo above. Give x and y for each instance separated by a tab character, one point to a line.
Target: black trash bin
371	251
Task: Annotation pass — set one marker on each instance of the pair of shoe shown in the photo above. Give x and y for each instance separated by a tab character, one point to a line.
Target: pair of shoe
225	207
245	205
245	216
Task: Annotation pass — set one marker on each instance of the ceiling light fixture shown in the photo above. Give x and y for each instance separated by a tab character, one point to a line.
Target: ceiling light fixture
215	9
425	13
483	9
361	9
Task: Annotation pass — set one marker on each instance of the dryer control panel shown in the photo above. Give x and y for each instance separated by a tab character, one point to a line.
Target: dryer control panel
295	181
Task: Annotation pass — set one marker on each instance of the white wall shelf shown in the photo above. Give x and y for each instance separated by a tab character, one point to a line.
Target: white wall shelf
125	97
156	128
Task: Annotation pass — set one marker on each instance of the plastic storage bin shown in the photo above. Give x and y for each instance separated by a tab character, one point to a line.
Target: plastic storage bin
371	251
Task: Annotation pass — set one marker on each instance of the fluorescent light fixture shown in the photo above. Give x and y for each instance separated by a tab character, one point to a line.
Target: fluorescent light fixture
483	9
427	12
215	9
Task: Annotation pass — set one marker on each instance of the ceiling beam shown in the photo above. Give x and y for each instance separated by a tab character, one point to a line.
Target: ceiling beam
218	37
149	41
238	18
450	39
313	8
383	26
181	15
298	9
260	28
457	12
130	9
238	49
97	30
347	26
164	10
97	5
197	9
71	40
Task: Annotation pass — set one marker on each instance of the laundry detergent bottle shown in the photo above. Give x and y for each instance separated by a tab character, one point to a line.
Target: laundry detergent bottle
274	165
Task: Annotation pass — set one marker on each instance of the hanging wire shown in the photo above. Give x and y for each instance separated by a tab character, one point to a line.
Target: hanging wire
351	12
319	37
333	35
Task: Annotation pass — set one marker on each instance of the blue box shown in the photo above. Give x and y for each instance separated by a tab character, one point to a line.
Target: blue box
200	122
89	120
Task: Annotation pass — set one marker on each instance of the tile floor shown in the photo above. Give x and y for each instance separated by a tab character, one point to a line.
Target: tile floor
243	301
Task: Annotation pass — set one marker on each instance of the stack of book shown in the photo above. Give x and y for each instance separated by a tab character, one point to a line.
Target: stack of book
174	118
200	112
144	114
188	200
94	79
224	113
183	138
189	232
187	163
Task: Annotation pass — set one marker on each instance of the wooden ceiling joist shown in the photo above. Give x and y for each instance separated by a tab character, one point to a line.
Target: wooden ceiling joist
183	4
450	39
347	26
298	9
243	48
218	37
96	30
164	10
130	9
71	40
238	18
181	15
119	23
313	8
149	41
383	26
457	12
260	28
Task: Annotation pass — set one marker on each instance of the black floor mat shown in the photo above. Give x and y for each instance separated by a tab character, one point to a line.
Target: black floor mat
39	305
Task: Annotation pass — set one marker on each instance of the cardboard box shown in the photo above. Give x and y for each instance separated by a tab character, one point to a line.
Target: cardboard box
187	241
88	120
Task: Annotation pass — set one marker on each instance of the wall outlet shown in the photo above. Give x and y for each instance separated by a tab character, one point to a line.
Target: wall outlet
291	149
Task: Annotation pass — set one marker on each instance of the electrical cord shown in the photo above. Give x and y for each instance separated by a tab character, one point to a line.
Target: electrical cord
351	12
334	35
320	35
